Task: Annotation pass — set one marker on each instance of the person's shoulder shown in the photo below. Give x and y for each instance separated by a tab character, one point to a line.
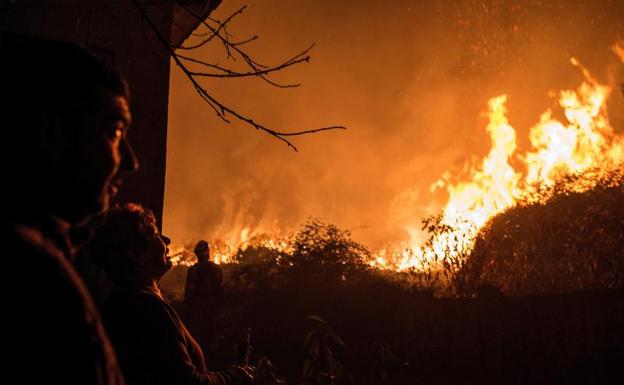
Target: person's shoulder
51	291
133	298
28	242
137	304
52	274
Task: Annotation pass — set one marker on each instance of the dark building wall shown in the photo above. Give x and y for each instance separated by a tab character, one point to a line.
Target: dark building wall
115	31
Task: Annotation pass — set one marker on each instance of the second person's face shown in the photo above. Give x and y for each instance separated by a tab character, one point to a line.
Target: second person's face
157	254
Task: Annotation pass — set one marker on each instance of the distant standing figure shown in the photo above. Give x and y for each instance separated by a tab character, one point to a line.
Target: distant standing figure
203	295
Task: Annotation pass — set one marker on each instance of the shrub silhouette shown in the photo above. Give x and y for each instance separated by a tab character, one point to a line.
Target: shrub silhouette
323	250
321	253
572	241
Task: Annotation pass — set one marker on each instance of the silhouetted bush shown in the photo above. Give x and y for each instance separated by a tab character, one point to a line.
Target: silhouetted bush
321	255
572	241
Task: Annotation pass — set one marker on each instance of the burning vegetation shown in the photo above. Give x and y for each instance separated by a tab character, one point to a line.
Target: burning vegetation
529	236
571	242
546	219
583	143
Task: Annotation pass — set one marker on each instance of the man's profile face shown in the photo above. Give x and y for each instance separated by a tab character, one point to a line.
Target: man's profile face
157	254
98	155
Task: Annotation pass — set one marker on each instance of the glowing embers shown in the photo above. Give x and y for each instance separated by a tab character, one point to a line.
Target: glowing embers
261	246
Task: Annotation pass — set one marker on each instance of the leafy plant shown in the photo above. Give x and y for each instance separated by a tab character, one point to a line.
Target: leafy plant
267	373
321	366
565	241
321	249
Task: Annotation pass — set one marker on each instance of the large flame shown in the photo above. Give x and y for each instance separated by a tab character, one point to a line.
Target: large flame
584	140
581	141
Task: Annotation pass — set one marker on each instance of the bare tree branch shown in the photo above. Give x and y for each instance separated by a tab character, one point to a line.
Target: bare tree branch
253	64
226	72
257	69
249	40
215	31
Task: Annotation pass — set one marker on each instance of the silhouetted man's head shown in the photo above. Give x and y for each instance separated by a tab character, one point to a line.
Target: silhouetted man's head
65	115
202	251
127	244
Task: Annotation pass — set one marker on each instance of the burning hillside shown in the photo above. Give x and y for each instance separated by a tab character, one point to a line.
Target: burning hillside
573	143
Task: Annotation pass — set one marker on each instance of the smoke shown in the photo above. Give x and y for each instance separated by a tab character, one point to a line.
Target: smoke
618	49
410	80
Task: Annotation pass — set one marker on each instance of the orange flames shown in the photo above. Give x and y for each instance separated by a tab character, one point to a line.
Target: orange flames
583	141
225	252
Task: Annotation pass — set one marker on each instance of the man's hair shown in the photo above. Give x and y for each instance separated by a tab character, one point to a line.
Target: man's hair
43	79
42	74
117	233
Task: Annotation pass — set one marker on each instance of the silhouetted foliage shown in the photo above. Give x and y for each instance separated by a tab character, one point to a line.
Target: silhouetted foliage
572	241
555	240
447	274
323	250
266	373
256	267
320	254
321	366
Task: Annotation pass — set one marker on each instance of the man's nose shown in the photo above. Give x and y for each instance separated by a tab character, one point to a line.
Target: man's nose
129	161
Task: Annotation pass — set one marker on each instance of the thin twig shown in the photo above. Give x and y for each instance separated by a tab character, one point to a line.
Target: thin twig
249	40
254	65
215	32
220	109
230	74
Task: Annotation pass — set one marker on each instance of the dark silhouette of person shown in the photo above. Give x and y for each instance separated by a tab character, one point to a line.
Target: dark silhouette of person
153	344
203	295
64	118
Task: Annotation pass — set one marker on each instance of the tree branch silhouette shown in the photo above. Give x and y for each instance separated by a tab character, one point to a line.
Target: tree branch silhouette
233	49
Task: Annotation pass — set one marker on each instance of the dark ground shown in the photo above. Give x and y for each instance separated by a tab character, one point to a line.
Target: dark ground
410	338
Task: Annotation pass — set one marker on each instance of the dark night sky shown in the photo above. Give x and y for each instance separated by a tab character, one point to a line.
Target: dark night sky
409	79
